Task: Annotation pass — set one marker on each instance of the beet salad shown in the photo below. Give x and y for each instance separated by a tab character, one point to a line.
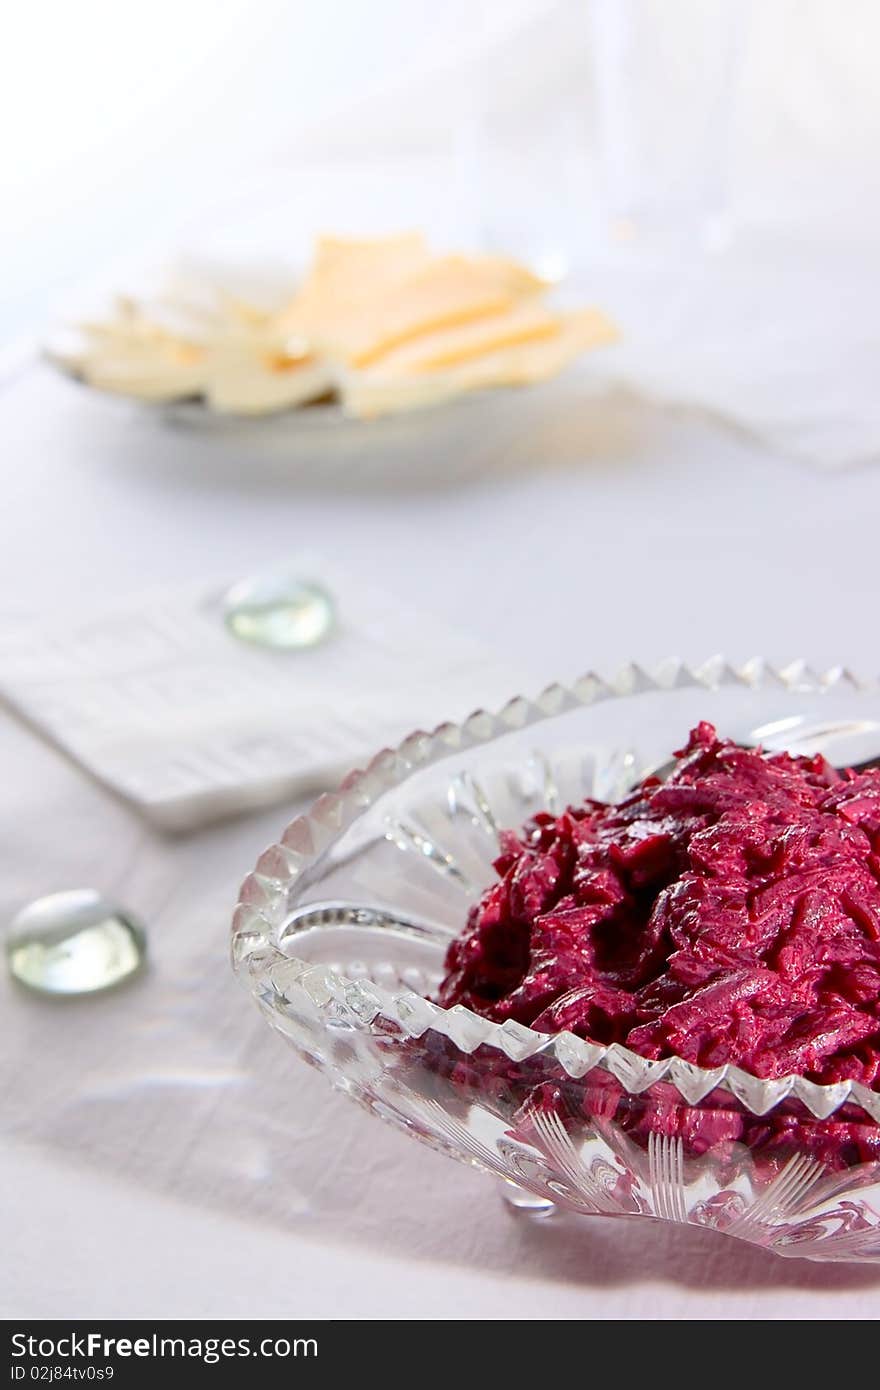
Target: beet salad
729	913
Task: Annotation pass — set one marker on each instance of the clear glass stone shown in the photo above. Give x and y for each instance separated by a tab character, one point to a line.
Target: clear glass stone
520	1199
279	610
74	943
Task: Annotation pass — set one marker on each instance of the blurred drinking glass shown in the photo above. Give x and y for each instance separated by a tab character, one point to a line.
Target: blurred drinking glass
522	134
665	75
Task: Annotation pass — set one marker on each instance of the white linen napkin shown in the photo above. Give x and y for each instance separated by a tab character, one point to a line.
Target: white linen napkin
774	336
155	698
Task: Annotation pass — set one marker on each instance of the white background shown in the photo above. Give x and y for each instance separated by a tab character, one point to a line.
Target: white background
121	123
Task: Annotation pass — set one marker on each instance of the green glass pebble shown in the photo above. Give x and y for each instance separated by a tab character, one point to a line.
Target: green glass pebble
74	943
279	610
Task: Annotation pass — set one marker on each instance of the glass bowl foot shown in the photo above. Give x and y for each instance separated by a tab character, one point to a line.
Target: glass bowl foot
519	1200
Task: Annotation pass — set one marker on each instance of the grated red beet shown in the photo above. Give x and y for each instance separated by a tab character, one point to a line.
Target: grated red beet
728	914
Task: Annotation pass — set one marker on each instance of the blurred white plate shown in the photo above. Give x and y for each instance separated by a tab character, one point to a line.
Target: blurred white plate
499	431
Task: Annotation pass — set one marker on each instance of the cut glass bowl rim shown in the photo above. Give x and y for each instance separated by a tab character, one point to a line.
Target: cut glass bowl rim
259	919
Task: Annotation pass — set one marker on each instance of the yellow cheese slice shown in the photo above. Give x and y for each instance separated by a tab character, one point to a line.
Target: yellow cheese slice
447	347
355	254
347	273
367	394
363	300
448	292
581	331
519	279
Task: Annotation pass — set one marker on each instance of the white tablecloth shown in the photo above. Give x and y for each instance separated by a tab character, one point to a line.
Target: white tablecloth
164	1154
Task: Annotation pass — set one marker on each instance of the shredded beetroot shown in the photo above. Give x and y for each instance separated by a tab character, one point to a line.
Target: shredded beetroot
730	913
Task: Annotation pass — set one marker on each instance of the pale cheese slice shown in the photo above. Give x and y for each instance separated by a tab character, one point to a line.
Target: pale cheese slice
132	355
245	384
146	378
220	348
138	336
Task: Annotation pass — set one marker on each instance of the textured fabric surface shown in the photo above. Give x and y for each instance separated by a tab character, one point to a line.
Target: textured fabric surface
167	1119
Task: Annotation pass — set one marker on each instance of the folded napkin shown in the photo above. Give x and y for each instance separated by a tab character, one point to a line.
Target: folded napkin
776	336
154	697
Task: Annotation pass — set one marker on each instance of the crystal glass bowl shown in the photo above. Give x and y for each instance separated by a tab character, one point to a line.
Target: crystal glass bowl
340	934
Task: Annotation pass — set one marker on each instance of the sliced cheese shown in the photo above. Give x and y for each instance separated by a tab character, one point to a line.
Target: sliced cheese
363	300
133	356
521	364
449	292
368	394
231	355
346	274
243	384
519	279
447	347
144	378
354	256
385	324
